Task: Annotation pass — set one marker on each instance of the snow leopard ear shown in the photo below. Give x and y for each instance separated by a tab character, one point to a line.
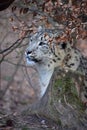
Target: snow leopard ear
40	28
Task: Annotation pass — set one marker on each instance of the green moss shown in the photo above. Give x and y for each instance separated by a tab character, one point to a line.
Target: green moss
65	89
59	122
25	128
51	102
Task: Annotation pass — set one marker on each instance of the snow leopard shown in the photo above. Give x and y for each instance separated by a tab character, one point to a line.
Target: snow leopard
45	52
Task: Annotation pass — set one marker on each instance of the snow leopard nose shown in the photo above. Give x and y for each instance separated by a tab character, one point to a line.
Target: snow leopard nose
29	52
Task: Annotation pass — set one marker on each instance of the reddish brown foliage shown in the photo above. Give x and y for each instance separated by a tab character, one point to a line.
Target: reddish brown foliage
72	15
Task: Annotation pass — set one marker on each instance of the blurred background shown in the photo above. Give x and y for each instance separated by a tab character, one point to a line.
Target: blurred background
18	83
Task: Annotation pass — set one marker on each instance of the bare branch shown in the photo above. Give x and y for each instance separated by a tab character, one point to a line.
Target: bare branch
14	45
12	77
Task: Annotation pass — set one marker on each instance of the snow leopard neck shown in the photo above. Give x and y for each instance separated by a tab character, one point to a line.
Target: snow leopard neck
45	74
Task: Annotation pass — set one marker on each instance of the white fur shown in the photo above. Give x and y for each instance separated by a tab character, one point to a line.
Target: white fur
44	78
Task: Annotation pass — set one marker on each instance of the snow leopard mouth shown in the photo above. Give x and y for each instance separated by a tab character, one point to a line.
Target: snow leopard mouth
33	59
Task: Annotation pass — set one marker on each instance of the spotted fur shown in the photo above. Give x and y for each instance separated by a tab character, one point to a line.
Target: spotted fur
46	53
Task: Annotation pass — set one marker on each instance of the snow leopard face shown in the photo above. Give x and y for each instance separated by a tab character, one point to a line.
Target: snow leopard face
38	51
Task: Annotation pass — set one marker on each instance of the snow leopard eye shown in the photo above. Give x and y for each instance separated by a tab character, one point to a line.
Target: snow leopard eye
42	43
